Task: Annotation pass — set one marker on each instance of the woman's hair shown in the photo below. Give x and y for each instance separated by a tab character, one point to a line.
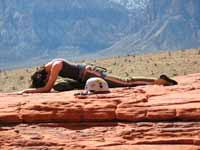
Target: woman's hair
38	79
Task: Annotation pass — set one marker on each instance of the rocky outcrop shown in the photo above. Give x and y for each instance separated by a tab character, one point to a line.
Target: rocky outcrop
143	117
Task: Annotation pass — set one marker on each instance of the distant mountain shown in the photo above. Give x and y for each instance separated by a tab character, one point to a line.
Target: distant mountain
170	25
41	30
35	31
68	28
132	4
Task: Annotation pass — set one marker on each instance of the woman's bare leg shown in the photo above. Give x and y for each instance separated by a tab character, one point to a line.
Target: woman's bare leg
115	81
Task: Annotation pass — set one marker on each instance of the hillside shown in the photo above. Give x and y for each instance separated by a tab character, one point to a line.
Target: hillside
75	29
180	62
169	25
42	30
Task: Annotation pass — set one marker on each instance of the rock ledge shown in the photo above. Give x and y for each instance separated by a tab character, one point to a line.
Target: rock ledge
151	116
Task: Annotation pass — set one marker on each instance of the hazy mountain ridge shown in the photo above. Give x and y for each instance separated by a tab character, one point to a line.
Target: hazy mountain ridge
132	4
170	25
49	28
35	31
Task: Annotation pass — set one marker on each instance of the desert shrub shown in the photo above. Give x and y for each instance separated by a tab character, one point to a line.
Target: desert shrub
182	50
114	63
195	62
27	70
14	88
132	70
83	61
198	53
126	74
169	54
21	78
5	73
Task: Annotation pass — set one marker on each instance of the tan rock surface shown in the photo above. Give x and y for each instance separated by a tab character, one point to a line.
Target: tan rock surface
144	117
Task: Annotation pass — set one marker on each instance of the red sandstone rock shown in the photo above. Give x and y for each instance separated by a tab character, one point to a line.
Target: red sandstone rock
62	121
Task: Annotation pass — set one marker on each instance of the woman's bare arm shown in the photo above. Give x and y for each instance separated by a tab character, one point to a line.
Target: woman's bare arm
54	71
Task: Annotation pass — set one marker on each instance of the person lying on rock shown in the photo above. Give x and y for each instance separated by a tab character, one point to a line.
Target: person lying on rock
44	79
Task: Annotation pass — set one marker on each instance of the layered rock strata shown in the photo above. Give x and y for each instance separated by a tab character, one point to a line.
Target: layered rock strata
143	117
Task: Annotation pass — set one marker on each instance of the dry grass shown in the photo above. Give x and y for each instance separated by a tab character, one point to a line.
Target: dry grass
180	62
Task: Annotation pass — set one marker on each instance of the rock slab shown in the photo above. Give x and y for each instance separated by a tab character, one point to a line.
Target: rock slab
143	117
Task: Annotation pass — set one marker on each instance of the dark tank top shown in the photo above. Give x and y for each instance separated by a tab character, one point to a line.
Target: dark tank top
70	70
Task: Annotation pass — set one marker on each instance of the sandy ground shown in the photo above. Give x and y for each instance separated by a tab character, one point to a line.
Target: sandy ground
180	62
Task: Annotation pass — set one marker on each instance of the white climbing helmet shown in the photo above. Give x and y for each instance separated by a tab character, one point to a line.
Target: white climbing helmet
96	85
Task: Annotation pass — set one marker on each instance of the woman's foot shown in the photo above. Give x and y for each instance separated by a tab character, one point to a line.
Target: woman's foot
166	81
